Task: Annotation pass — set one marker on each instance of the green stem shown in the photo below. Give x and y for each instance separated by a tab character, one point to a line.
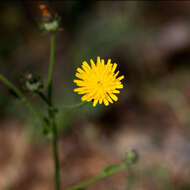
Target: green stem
52	113
23	98
75	106
44	98
55	156
102	175
51	65
131	178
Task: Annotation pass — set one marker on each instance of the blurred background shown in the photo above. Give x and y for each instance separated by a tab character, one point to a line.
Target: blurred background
150	41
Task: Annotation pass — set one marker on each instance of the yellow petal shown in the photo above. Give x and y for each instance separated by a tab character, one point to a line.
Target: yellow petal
116	91
114	97
109	99
114	67
76	81
85	97
102	61
83	92
98	61
92	64
78	75
106	103
85	66
95	102
119	86
79	82
121	77
80	70
77	89
116	74
109	61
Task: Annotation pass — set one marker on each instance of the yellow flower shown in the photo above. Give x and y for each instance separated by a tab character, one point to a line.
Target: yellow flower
98	82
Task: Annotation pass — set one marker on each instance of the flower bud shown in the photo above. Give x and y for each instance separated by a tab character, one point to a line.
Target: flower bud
50	21
50	26
131	157
33	82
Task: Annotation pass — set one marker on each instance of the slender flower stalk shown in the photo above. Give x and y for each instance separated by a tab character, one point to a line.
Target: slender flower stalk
52	114
75	106
131	158
101	176
51	65
55	156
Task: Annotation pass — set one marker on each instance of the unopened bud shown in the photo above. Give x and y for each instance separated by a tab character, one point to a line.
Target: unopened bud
50	26
131	157
33	82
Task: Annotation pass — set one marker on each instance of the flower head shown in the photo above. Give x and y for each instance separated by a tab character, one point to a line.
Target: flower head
50	21
98	82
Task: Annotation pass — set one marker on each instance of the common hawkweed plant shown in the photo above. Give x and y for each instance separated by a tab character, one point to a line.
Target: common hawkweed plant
97	82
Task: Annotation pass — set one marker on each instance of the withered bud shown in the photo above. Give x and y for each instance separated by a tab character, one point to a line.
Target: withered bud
32	82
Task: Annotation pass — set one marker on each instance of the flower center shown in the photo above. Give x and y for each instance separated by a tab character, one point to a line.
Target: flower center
99	83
